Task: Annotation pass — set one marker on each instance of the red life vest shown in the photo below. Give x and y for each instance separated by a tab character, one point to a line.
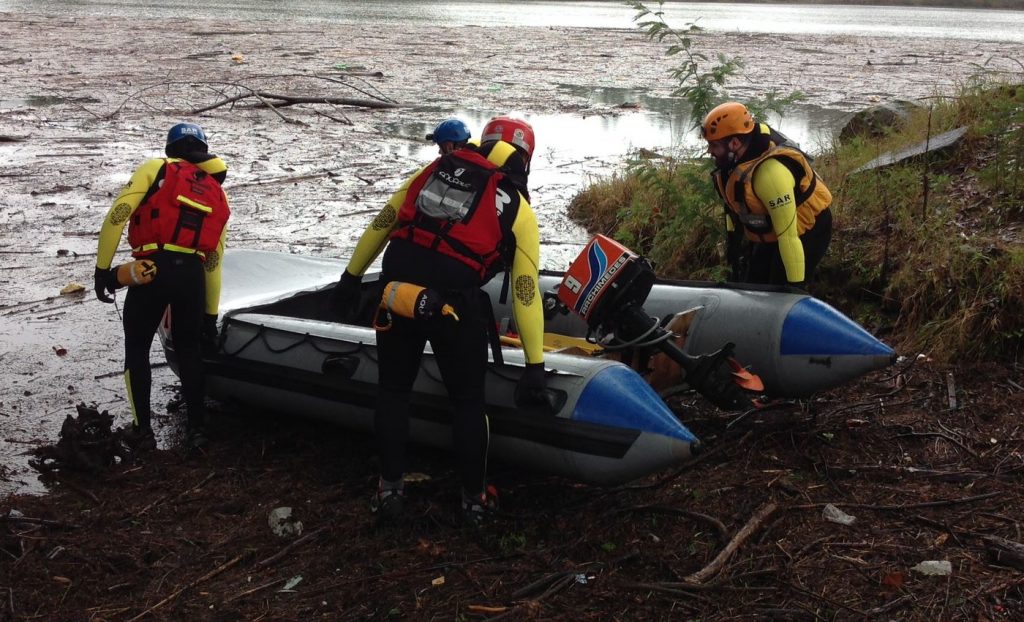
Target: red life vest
187	213
453	207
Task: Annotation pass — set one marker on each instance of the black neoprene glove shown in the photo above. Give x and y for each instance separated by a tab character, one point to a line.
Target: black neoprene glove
531	386
104	281
208	333
345	296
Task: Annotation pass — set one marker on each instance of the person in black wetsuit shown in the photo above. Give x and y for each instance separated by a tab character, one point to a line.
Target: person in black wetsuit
176	213
450	228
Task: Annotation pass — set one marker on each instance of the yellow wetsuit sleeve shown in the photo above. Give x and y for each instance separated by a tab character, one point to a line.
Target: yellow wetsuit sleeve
214	260
124	206
775	186
527	304
213	269
375	238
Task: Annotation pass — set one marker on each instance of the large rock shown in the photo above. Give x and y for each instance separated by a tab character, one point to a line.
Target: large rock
933	145
877	120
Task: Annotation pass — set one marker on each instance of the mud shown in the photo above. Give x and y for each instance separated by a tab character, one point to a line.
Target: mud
84	100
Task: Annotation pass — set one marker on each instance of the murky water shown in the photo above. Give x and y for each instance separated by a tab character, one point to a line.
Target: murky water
661	123
987	25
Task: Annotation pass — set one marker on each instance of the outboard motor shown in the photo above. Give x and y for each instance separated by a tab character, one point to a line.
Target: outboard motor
607	285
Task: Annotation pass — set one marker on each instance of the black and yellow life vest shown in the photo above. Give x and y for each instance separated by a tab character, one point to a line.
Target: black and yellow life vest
737	190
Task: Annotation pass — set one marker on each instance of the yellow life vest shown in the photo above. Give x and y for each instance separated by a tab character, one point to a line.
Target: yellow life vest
812	196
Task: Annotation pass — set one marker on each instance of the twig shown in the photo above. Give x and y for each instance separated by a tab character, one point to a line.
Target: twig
951	391
941	435
908	506
877	611
824	599
75	487
287	100
1005	585
292	545
178	496
682	590
255	589
403	572
38	521
723	532
121	373
216	571
542	582
562	581
719	561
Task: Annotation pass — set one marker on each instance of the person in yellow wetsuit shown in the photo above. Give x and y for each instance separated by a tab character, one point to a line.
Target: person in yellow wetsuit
176	213
450	228
772	197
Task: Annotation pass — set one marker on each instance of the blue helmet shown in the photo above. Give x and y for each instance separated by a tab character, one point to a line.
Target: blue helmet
186	130
450	131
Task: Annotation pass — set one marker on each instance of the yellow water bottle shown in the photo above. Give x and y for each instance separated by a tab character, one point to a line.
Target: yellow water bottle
138	272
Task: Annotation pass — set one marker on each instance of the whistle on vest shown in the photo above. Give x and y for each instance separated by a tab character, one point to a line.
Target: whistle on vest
138	272
410	301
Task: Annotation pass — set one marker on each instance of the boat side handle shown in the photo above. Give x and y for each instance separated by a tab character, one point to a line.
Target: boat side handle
340	366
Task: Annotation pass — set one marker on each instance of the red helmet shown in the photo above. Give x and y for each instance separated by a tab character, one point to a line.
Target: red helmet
513	131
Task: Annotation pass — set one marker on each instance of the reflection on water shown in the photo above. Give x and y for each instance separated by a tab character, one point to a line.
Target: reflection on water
986	25
623	121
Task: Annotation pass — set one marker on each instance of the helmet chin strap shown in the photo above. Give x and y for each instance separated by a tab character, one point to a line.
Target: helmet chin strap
727	161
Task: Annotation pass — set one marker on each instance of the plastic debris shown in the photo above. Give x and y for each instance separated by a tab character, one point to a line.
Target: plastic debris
934	568
834	515
72	288
283	524
438	581
291	583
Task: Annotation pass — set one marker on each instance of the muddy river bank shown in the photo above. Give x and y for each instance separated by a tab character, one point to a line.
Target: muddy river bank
84	100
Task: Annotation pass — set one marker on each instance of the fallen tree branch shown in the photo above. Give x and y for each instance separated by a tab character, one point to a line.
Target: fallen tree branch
290	100
741	536
1005	552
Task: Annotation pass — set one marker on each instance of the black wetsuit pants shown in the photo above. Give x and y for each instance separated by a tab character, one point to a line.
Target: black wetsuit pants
460	349
180	283
766	265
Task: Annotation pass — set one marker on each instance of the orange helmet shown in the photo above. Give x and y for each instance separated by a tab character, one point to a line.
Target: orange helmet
513	131
725	120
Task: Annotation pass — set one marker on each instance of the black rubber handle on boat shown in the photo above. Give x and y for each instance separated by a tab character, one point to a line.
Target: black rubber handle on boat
547	401
344	365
